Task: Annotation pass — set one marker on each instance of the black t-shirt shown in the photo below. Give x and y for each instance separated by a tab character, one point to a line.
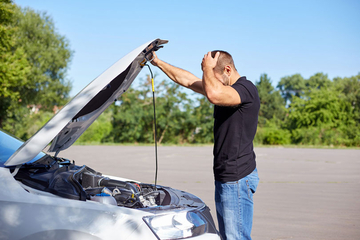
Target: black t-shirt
234	131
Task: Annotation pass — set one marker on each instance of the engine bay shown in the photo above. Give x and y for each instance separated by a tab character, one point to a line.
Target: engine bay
127	194
63	178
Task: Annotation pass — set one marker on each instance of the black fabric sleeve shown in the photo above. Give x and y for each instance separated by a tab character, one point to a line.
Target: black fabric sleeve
243	90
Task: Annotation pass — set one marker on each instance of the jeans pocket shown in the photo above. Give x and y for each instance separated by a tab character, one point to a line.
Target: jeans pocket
249	190
252	181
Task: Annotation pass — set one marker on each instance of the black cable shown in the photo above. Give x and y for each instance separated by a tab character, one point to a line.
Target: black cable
155	135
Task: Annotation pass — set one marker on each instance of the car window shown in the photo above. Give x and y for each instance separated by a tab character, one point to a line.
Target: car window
8	145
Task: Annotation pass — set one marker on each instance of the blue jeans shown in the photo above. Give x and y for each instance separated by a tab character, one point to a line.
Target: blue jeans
234	206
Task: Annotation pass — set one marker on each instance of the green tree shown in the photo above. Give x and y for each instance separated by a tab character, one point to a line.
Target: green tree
14	66
48	53
324	116
319	80
133	119
32	66
204	121
100	130
176	123
350	86
272	104
290	86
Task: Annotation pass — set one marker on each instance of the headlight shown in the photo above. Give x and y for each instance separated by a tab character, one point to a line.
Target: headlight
177	225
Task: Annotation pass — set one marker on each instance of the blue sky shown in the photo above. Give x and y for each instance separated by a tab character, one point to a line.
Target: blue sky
276	37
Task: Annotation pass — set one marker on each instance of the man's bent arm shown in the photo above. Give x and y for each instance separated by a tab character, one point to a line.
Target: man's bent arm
180	76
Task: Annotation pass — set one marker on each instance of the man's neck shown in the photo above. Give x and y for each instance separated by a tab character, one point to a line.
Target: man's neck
234	78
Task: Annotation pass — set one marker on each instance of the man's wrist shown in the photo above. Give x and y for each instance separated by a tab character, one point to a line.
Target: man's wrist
208	71
207	68
159	63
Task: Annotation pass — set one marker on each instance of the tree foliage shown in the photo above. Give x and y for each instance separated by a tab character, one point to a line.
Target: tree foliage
350	87
325	113
33	64
290	86
48	53
133	119
14	66
272	104
318	81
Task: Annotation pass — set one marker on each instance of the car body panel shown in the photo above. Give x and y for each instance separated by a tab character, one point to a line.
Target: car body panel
45	214
53	217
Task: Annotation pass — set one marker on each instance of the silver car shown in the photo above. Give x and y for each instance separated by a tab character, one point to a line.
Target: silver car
46	196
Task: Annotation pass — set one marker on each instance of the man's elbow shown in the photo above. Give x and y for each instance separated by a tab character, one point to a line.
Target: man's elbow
213	97
223	99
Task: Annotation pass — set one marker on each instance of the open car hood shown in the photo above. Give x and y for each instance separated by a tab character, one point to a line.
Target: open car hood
74	118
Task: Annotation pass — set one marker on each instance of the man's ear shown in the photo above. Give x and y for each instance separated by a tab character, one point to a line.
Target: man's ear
228	70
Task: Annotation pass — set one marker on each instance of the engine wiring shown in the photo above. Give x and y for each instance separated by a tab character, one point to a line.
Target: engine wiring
139	188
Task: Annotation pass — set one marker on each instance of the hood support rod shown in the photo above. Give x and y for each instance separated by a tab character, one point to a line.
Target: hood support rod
155	128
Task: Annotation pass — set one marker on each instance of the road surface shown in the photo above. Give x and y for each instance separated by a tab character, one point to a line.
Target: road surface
302	194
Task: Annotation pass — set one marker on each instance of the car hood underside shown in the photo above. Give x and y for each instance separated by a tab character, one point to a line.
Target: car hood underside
75	117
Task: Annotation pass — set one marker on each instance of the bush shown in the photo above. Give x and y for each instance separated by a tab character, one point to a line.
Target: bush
272	136
23	123
99	130
341	136
305	136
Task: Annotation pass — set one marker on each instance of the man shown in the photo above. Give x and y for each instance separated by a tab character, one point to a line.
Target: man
236	111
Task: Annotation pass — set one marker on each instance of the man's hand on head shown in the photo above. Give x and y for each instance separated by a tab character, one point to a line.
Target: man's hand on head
209	62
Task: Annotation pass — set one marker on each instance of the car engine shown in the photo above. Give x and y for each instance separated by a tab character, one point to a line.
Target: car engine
65	179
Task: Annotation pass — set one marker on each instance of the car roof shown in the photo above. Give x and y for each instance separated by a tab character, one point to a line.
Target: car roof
9	144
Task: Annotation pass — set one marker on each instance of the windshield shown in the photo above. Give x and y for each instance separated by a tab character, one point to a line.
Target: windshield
8	145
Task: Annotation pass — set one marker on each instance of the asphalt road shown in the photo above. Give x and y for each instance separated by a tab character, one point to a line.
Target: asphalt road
303	193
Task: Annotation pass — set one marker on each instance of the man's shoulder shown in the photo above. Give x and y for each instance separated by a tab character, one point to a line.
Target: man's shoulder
244	82
247	90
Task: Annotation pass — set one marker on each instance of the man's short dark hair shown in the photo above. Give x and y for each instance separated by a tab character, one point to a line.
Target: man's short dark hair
224	59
